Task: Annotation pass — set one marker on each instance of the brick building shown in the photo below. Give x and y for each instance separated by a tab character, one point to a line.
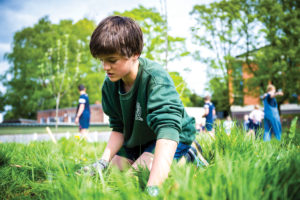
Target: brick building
238	94
67	115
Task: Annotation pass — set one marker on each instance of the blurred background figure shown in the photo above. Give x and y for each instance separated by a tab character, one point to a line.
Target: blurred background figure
83	111
209	114
202	126
246	123
271	120
228	125
255	117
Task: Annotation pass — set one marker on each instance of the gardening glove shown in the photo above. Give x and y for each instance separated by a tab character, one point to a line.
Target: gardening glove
153	191
96	167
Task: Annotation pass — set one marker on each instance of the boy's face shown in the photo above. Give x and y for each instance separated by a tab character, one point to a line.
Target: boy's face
118	67
81	91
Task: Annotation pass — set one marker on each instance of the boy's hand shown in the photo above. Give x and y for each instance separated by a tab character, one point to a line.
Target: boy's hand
77	120
279	93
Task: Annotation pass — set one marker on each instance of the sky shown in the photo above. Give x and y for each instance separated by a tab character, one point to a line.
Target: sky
18	14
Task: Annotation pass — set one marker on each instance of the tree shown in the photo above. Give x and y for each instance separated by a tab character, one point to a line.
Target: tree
215	30
279	61
219	98
227	28
181	88
196	100
57	73
48	61
2	100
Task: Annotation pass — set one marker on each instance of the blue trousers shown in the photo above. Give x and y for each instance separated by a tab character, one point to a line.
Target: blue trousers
272	126
209	126
135	152
84	122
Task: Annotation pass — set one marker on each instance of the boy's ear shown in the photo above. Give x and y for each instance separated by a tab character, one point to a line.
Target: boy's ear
136	56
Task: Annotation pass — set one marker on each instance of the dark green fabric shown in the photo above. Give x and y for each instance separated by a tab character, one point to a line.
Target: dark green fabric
151	109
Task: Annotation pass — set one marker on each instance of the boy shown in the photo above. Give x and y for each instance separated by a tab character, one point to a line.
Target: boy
83	111
256	116
209	114
272	118
149	124
228	125
246	123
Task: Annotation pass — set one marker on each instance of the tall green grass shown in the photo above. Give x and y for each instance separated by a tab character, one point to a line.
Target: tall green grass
240	168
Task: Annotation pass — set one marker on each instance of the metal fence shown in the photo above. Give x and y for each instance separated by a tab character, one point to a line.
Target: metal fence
49	125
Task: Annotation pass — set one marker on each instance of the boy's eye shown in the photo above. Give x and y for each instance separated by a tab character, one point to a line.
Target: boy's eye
108	60
112	60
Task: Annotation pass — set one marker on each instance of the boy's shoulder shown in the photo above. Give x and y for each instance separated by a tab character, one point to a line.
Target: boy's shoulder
83	96
208	103
155	71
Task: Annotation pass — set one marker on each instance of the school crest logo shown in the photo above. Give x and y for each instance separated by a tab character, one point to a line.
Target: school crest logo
138	112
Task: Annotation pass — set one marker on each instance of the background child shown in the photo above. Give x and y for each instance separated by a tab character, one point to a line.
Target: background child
228	125
272	120
209	114
256	116
83	111
246	123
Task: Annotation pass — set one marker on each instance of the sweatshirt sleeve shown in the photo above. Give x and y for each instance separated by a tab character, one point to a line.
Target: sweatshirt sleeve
110	107
165	112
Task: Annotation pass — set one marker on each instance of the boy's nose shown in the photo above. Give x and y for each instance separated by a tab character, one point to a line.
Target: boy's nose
106	66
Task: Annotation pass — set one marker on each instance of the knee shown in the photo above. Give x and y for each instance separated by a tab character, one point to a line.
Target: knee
145	160
121	162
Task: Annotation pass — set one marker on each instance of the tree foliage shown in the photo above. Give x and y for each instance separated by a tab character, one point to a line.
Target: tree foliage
216	30
49	61
279	61
2	102
181	88
196	100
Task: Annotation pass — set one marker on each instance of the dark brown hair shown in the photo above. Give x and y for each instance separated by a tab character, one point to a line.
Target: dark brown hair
81	87
117	35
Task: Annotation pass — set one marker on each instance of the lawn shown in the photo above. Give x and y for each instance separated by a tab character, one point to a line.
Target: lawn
240	168
60	129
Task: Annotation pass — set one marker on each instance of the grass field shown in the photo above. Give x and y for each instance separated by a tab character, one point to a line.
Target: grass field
240	168
30	130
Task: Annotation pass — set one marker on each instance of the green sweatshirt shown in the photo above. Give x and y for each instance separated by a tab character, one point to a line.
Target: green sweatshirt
151	110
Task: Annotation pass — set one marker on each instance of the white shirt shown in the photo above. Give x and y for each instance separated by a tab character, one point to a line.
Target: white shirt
256	115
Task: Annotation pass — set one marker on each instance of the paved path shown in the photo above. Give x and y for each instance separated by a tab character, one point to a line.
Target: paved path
26	138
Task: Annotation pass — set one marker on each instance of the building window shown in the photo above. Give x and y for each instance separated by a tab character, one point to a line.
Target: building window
61	119
51	119
73	118
43	120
